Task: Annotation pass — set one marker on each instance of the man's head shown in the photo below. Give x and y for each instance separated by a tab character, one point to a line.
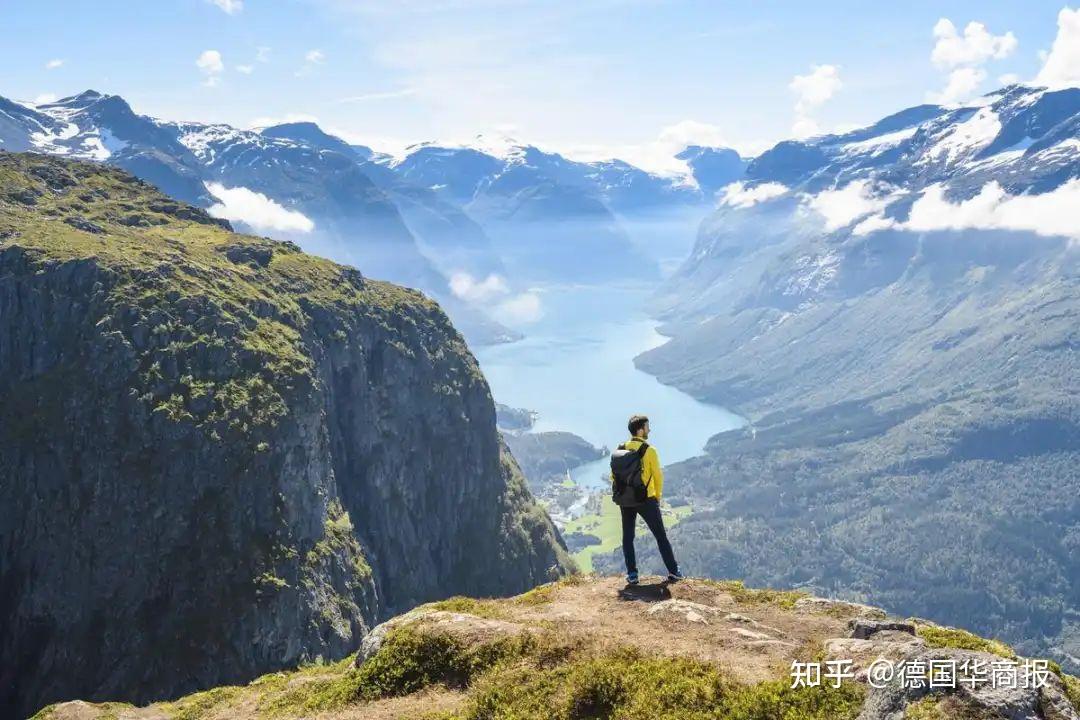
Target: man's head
638	426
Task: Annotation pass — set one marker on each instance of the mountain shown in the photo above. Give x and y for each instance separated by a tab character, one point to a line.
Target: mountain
550	217
697	649
894	310
713	167
240	455
294	181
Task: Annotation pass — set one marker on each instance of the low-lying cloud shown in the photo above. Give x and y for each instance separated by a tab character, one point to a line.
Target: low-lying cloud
1055	213
739	195
493	293
257	211
842	207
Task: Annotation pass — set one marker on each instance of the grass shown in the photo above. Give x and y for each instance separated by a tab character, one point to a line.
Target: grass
630	686
785	599
963	640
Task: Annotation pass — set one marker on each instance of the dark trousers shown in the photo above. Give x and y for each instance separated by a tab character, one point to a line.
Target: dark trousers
650	513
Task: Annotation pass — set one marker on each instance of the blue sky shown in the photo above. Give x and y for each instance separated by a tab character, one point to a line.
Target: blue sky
628	77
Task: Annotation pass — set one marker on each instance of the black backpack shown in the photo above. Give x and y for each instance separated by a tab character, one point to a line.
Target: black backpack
627	487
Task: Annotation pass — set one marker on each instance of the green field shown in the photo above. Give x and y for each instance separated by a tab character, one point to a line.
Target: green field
607	525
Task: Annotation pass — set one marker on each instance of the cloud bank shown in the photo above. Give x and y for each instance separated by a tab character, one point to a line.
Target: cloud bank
494	294
738	195
238	204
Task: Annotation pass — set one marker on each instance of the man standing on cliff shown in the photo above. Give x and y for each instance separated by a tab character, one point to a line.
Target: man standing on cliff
637	484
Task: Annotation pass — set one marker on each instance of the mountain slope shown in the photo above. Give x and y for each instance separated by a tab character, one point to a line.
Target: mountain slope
241	455
895	311
699	650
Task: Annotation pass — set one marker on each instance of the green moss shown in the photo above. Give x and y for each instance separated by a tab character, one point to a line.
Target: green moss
785	599
481	608
408	661
948	707
962	639
1072	689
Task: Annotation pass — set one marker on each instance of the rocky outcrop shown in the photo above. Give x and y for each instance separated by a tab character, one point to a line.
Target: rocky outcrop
592	647
220	456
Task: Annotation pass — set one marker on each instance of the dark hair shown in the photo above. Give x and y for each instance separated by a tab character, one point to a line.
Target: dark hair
636	423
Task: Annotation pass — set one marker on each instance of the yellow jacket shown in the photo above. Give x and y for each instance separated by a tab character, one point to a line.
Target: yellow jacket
651	474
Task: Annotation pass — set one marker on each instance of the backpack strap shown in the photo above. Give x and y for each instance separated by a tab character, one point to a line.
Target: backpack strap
641	454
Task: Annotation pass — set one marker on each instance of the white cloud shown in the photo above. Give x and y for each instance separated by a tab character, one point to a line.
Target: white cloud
245	69
974	47
211	65
466	287
230	7
312	58
494	294
738	195
262	54
961	85
964	56
44	99
520	310
1009	79
239	204
1061	66
1052	213
873	224
53	64
811	92
842	207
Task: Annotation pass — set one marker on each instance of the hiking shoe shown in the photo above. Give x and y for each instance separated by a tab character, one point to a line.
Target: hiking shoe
675	576
631	578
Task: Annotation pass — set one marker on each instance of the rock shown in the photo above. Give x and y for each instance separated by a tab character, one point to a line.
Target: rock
465	626
863	628
1011	703
828	605
85	225
690	611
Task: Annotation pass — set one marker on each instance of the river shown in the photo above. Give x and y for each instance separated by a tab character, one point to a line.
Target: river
575	369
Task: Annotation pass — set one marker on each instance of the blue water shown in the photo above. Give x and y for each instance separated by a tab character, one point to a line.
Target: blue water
575	368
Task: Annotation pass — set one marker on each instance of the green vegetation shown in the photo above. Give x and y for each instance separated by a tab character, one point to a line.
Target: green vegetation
221	323
480	608
758	596
962	639
940	706
625	684
1072	689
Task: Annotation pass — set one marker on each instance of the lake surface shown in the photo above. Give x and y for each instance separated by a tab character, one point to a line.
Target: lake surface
575	368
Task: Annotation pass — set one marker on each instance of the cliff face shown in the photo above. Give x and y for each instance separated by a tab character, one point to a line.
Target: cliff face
220	456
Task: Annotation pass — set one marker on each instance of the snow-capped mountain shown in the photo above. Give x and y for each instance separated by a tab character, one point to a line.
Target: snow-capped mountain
488	165
293	182
1009	161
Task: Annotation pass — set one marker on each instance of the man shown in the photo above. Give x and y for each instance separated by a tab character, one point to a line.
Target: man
653	478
